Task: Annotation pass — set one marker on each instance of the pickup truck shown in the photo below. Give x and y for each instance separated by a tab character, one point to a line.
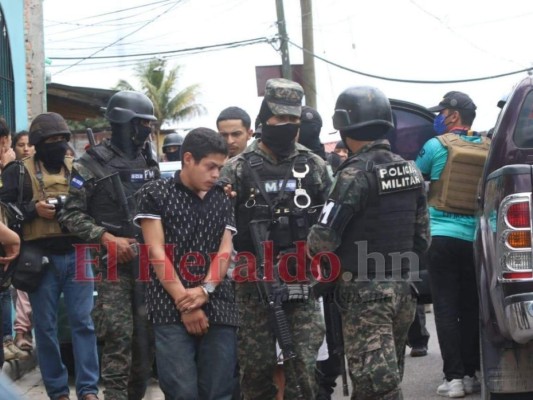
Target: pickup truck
503	253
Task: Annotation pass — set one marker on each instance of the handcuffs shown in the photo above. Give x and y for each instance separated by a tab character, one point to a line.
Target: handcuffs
301	198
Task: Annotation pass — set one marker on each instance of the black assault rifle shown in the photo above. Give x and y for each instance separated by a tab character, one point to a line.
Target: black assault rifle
335	323
272	293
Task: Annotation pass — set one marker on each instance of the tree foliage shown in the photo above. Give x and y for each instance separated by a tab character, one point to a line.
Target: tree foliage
171	105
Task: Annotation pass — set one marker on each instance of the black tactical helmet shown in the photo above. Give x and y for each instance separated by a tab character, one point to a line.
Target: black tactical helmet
172	139
126	105
362	106
47	125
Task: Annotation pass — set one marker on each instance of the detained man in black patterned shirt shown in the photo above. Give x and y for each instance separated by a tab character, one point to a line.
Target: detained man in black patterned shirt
187	223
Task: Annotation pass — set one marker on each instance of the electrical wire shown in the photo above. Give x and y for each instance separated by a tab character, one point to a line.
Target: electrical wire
117	11
106	23
186	50
400	80
122	38
120	64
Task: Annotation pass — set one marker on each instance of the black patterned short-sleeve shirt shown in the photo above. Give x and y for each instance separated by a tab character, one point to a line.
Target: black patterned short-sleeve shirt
193	227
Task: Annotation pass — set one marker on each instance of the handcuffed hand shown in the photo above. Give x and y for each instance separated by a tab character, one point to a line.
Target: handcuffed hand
195	322
192	299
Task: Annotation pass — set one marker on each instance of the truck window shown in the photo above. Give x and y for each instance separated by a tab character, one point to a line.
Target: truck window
523	134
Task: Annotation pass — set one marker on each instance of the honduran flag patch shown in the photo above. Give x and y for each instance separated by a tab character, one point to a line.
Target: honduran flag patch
77	182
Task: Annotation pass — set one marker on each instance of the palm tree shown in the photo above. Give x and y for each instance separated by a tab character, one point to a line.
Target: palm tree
160	86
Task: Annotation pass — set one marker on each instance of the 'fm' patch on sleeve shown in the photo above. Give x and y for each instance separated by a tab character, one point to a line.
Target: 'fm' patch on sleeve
77	182
398	176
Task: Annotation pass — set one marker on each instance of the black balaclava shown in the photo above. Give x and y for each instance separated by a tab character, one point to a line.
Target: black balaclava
310	127
280	139
52	155
174	155
129	137
366	133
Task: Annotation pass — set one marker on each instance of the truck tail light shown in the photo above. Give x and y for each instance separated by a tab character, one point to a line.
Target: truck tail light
518	215
519	239
514	231
517	275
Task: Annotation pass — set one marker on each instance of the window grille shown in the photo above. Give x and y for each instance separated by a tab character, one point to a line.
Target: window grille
7	84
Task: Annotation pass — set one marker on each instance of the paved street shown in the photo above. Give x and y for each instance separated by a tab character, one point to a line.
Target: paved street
422	376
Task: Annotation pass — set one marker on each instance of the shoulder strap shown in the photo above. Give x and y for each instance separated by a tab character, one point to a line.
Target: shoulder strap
22	171
253	161
446	139
93	164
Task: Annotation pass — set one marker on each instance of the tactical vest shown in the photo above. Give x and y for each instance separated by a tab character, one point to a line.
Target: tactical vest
45	186
283	188
379	241
456	189
104	205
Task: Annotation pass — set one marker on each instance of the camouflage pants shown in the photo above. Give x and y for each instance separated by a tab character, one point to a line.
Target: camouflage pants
376	317
121	323
257	350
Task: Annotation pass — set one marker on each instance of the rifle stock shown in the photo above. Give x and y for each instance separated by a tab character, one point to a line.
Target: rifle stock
90	137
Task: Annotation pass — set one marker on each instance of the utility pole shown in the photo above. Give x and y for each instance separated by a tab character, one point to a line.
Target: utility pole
282	30
309	79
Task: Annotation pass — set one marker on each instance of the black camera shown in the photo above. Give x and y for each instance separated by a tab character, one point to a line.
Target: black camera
57	201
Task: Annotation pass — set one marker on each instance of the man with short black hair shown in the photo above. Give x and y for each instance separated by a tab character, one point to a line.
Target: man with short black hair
234	124
453	163
192	306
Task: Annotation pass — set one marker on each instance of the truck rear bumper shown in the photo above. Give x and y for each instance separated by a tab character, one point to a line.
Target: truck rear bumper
519	313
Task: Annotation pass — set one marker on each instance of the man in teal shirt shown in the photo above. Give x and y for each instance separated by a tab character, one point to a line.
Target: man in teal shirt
453	162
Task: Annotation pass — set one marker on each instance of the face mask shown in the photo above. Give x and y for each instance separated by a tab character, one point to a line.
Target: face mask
280	138
52	154
141	133
439	124
173	155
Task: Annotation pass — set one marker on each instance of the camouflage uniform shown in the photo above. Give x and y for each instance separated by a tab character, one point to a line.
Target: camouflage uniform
376	312
257	352
119	313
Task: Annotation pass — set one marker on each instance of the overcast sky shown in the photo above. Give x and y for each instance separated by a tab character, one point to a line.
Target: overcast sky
401	39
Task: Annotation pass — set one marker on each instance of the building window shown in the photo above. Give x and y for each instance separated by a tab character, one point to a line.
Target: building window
7	84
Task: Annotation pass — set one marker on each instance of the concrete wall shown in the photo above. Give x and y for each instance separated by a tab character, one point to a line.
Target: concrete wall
35	67
24	21
14	19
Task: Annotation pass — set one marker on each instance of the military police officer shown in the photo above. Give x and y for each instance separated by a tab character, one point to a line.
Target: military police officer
376	222
99	209
283	183
172	146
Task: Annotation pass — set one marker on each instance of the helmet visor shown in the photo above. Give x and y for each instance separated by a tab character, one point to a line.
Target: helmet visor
341	119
